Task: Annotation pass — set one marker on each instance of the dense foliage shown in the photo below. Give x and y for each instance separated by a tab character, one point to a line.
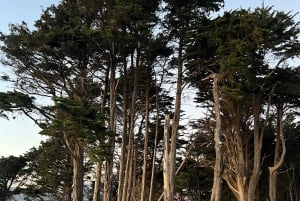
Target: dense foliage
110	71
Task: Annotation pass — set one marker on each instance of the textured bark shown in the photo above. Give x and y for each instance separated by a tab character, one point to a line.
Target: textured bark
258	139
77	160
167	160
129	175
217	182
279	158
241	176
76	153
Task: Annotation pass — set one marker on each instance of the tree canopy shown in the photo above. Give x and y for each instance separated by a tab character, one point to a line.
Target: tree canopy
115	72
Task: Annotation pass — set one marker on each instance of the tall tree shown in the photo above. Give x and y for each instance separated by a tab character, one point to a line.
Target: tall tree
180	21
238	51
286	94
60	59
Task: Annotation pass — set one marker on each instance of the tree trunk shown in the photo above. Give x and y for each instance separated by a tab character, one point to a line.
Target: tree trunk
278	161
67	191
77	161
154	147
143	196
107	194
258	140
167	160
217	182
122	163
96	194
128	175
176	119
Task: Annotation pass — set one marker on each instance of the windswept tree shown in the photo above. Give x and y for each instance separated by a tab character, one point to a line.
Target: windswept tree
62	59
237	46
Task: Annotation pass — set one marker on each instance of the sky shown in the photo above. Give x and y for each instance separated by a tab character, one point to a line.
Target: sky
18	135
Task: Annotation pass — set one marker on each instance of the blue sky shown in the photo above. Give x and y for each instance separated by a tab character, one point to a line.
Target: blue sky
19	135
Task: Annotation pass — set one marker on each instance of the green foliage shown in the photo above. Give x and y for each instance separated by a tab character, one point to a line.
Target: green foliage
76	43
194	182
48	172
85	124
237	46
15	101
10	168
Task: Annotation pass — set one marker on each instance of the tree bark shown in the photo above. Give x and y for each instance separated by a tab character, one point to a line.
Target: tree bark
167	160
217	182
176	118
122	164
278	161
128	175
96	193
77	160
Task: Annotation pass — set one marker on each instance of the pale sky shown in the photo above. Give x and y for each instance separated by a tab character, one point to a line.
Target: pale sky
19	135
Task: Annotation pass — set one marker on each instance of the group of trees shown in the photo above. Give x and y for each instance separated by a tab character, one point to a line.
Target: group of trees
104	68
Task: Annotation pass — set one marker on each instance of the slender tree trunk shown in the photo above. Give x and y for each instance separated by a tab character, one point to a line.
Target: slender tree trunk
134	194
129	175
143	196
242	185
176	119
126	187
152	182
122	165
77	161
167	160
278	161
97	187
258	139
96	194
217	182
112	126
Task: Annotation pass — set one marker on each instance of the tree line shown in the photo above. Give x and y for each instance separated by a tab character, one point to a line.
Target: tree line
114	129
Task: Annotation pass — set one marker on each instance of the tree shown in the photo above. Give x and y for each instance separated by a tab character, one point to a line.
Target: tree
60	59
10	167
286	97
180	21
48	172
238	51
79	127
